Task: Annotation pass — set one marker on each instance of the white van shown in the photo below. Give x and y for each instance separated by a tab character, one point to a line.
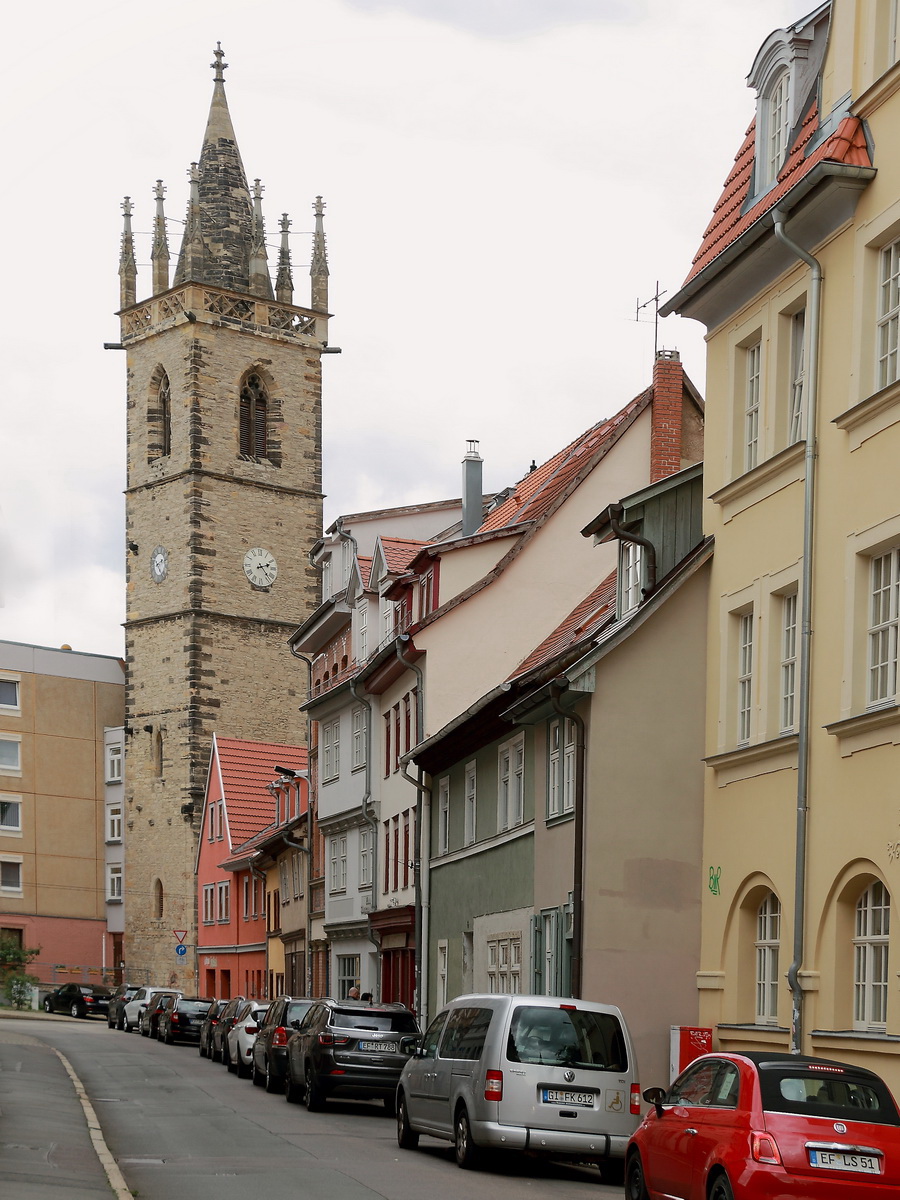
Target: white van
543	1074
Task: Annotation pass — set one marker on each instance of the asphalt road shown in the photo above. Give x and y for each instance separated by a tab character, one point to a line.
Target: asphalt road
182	1128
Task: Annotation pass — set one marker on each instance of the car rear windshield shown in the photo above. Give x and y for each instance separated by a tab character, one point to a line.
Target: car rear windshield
827	1092
380	1022
194	1008
296	1012
568	1037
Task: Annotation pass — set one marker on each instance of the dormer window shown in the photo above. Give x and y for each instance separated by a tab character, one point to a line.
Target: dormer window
326	578
630	563
777	120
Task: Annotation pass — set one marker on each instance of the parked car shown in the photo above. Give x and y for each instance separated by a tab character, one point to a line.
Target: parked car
208	1025
761	1124
132	1008
270	1048
115	1017
538	1073
148	1018
181	1017
242	1035
218	1043
79	999
348	1048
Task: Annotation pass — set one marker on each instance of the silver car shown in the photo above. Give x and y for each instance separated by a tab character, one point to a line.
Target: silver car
535	1073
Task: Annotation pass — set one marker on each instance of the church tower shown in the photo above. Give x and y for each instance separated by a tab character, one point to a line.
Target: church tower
223	503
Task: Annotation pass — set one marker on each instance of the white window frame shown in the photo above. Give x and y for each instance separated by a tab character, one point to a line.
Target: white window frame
297	873
471	804
246	894
777	125
326	578
11	823
114	758
388	620
346	561
9	861
358	736
365	856
13	767
114	823
209	904
630	576
443	950
871	945
767	948
337	854
511	783
443	815
883	628
561	768
114	881
223	901
331	750
797	411
346	969
752	385
746	631
504	958
13	709
362	629
788	673
888	321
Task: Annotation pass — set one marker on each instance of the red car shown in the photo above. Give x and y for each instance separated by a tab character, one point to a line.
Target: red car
767	1126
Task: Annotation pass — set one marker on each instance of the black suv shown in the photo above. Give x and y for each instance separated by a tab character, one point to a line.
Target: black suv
180	1018
270	1048
347	1048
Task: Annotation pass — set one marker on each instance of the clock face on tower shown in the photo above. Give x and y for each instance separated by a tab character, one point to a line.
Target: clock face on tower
159	564
260	567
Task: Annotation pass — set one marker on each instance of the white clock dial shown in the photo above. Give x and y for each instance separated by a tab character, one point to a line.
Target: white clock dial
260	567
159	563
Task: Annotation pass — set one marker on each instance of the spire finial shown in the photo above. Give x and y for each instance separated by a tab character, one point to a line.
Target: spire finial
219	66
260	283
159	255
127	265
318	269
284	282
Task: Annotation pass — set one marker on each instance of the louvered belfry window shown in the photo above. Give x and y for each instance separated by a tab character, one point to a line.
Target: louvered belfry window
254	405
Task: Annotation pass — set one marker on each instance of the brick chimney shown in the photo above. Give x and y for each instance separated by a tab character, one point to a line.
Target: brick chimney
666	419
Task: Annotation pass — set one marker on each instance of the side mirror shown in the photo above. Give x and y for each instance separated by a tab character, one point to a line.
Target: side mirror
655	1096
409	1044
295	1024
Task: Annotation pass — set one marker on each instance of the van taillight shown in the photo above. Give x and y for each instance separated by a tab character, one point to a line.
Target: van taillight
493	1085
764	1148
279	1037
635	1100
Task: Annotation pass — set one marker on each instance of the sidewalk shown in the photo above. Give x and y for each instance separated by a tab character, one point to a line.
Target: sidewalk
45	1145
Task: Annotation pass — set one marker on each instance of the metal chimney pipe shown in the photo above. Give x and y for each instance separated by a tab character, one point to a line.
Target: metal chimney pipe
472	491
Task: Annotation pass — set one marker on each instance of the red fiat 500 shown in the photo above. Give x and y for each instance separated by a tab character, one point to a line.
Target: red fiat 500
767	1126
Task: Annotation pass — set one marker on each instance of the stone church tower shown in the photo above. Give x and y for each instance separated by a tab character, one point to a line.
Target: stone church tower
223	503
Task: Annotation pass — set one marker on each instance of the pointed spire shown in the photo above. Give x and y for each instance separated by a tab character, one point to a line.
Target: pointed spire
159	255
127	265
223	208
260	283
190	261
318	269
284	280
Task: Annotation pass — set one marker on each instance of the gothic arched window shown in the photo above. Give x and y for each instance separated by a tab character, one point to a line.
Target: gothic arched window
254	418
159	420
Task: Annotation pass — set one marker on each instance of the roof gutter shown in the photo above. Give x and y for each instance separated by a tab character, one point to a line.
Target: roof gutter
616	512
809	496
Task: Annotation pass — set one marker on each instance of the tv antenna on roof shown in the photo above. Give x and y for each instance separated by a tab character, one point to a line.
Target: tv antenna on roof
654	300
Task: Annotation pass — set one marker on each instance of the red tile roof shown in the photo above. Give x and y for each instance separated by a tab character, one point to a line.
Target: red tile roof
538	491
365	569
729	220
245	769
583	622
399	552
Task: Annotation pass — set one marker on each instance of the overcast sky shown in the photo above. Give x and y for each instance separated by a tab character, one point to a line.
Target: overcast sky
504	180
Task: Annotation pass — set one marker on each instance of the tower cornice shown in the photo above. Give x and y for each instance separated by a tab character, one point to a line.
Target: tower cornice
203	473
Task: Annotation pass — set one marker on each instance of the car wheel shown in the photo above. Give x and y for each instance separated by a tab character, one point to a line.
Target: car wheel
467	1153
256	1075
110	1021
407	1138
390	1105
203	1048
231	1064
271	1079
635	1187
214	1054
315	1097
243	1071
75	1010
48	1007
721	1189
120	1020
292	1093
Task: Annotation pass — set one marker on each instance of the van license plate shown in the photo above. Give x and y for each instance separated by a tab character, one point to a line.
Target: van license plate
386	1047
573	1099
834	1160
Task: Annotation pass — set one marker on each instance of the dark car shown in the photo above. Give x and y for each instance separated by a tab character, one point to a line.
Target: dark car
347	1048
115	1017
218	1043
79	999
148	1021
764	1124
181	1017
207	1026
270	1048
